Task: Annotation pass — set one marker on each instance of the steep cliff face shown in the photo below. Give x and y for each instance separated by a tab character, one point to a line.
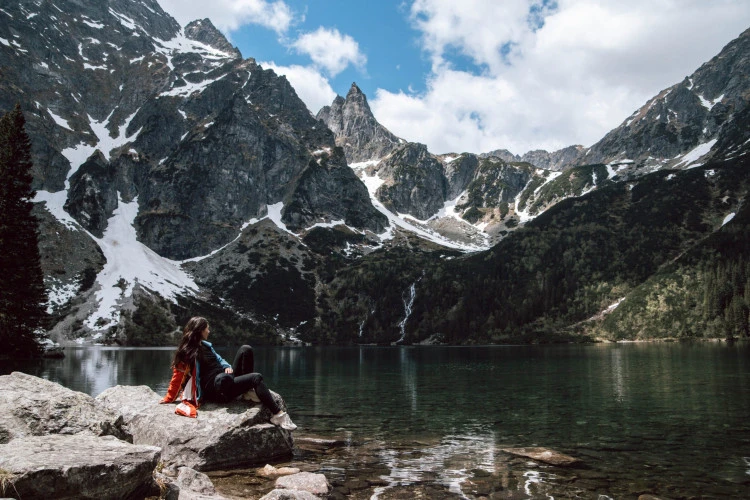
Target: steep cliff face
415	183
327	189
356	129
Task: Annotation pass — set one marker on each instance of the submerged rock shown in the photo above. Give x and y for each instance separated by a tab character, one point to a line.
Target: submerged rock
223	436
271	471
545	455
32	406
76	466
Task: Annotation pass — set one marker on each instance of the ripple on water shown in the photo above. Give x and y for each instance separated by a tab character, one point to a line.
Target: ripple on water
451	463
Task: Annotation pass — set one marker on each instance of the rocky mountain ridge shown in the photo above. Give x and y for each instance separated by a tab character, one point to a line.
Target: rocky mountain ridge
682	127
556	160
685	124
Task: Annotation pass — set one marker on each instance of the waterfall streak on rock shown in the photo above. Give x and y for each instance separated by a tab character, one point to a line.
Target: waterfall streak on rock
408	304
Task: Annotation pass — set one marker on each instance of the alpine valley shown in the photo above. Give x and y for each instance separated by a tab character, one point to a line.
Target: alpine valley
175	177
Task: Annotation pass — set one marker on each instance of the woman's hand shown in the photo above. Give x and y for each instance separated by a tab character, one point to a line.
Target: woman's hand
228	370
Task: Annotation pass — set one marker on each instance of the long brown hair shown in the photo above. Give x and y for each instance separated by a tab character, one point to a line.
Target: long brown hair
187	351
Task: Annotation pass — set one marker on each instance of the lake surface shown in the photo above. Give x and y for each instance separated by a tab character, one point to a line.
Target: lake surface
667	419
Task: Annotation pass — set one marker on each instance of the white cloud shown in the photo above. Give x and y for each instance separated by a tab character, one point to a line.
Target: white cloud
330	50
229	15
519	85
312	87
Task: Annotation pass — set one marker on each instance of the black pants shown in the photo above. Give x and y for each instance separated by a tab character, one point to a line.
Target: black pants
228	386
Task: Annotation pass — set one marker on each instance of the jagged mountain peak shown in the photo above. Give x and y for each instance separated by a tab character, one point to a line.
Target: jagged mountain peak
203	30
355	93
356	129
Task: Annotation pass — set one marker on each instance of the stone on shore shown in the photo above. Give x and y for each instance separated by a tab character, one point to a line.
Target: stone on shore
317	484
545	455
195	485
222	437
75	466
33	406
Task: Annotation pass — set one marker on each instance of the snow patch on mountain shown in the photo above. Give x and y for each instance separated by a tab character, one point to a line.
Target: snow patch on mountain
190	88
59	120
55	203
728	218
449	209
106	142
690	159
59	293
710	104
129	262
332	224
92	24
180	44
274	213
124	20
244	226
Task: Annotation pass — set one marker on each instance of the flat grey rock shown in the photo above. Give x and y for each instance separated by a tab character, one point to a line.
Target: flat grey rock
76	466
223	436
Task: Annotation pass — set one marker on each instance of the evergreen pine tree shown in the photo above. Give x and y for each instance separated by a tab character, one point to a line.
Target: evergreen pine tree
22	293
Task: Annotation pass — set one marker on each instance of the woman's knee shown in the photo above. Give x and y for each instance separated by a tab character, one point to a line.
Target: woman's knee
257	378
246	349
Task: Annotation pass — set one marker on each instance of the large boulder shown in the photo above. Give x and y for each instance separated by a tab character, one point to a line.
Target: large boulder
32	406
75	466
222	437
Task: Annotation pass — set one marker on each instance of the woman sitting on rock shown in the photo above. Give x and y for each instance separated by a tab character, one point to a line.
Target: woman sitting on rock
213	379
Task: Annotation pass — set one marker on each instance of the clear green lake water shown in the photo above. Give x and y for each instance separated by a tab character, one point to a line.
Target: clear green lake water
665	419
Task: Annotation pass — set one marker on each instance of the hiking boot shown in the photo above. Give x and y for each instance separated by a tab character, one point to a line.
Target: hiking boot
283	421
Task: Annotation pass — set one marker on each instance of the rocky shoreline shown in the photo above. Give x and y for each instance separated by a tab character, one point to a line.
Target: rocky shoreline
59	443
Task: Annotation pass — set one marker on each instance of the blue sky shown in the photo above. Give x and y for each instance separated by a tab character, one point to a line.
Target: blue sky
391	48
478	75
